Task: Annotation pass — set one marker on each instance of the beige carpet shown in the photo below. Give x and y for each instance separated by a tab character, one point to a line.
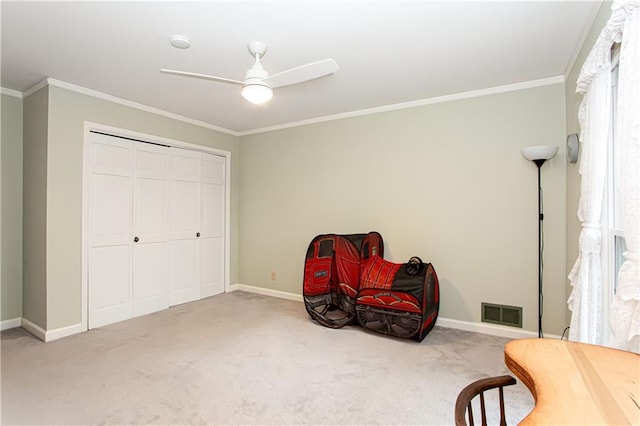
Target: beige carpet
241	358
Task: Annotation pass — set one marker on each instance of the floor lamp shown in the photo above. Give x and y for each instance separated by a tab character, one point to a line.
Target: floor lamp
539	154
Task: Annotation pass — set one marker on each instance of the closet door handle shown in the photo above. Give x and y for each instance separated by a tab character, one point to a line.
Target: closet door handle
136	239
198	234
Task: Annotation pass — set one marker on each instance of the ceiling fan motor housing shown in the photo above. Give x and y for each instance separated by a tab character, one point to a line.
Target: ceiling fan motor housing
255	88
256	72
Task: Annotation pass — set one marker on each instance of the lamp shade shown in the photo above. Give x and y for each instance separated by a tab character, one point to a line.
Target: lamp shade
539	152
257	93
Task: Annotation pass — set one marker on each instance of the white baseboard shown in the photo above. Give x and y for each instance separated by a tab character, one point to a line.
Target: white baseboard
49	335
493	330
59	333
10	323
34	329
266	292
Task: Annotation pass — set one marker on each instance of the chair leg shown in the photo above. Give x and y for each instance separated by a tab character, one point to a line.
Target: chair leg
503	420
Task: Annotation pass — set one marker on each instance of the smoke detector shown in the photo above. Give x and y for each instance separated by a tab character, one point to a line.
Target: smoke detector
180	42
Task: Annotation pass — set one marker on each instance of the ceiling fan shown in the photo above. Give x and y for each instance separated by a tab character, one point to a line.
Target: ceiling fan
258	85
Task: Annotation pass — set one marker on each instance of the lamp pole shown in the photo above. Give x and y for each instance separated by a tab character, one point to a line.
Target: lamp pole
539	154
539	163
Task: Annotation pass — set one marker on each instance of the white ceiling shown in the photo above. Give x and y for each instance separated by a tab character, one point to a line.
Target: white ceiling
389	52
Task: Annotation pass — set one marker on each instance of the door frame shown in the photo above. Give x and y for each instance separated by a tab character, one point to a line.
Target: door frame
116	131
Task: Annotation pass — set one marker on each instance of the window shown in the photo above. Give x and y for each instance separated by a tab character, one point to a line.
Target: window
613	242
605	308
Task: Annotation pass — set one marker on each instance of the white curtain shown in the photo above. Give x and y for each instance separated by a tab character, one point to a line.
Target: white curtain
594	115
586	276
625	309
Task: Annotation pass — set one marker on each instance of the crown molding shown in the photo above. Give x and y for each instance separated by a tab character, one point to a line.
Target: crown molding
136	105
576	51
33	89
394	107
110	98
412	104
11	92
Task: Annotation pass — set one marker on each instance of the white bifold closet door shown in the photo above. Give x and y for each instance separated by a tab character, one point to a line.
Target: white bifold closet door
156	227
184	234
212	233
110	230
150	225
128	220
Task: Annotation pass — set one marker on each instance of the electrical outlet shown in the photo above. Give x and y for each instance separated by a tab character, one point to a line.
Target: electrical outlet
274	276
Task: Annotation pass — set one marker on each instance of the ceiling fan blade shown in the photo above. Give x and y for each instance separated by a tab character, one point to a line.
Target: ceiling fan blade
202	76
303	73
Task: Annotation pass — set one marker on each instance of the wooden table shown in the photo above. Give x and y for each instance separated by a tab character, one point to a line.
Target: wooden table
576	383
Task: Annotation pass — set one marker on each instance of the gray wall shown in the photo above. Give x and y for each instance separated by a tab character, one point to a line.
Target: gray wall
11	180
68	112
34	236
457	193
573	101
445	182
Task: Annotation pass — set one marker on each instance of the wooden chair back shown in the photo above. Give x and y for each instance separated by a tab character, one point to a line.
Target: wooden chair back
477	388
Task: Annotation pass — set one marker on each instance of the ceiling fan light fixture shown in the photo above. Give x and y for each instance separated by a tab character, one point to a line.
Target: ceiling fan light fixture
258	85
257	92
